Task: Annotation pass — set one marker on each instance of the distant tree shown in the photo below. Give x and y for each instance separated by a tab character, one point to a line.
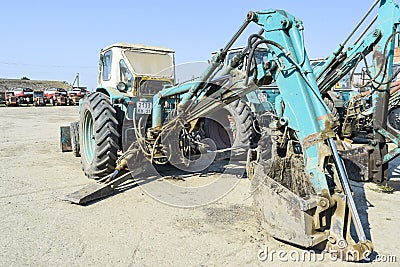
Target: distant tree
25	78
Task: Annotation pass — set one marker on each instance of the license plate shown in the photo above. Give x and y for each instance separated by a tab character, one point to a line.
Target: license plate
144	107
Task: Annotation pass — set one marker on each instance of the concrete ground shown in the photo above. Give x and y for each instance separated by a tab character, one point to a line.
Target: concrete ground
132	228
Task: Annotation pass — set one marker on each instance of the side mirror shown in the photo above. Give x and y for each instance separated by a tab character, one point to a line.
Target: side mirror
121	86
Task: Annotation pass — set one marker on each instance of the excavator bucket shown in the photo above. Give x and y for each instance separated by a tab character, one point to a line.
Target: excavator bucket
293	213
278	204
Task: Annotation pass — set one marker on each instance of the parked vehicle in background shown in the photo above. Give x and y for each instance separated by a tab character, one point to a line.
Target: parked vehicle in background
56	96
60	100
38	98
24	95
9	99
75	94
2	99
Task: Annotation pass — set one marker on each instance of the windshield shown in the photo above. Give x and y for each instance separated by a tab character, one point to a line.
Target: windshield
152	87
38	93
153	63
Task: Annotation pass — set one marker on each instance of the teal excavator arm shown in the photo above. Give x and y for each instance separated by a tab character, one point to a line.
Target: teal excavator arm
344	59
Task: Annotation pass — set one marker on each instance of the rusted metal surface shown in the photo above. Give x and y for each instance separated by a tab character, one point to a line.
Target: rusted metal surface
73	99
65	139
396	58
312	140
352	121
9	99
108	185
357	162
340	241
380	170
61	100
278	204
309	220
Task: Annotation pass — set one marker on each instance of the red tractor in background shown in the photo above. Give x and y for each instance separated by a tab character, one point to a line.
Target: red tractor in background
75	94
9	99
56	96
24	95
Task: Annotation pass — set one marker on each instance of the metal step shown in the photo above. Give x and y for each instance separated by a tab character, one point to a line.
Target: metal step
96	190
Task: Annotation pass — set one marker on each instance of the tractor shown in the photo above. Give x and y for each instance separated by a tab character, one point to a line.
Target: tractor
38	98
130	75
138	117
75	94
10	99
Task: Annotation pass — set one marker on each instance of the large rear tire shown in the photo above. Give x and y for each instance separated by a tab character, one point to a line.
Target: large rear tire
331	106
98	134
233	126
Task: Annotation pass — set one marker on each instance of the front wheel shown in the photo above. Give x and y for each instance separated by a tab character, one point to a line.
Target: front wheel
98	135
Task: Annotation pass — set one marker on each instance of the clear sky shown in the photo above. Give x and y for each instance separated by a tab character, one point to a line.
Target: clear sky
54	40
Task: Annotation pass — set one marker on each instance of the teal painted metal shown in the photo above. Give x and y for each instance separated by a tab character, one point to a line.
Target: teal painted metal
121	100
157	115
263	99
326	78
352	54
113	93
298	87
88	137
345	94
279	106
395	139
197	87
388	19
391	155
216	61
